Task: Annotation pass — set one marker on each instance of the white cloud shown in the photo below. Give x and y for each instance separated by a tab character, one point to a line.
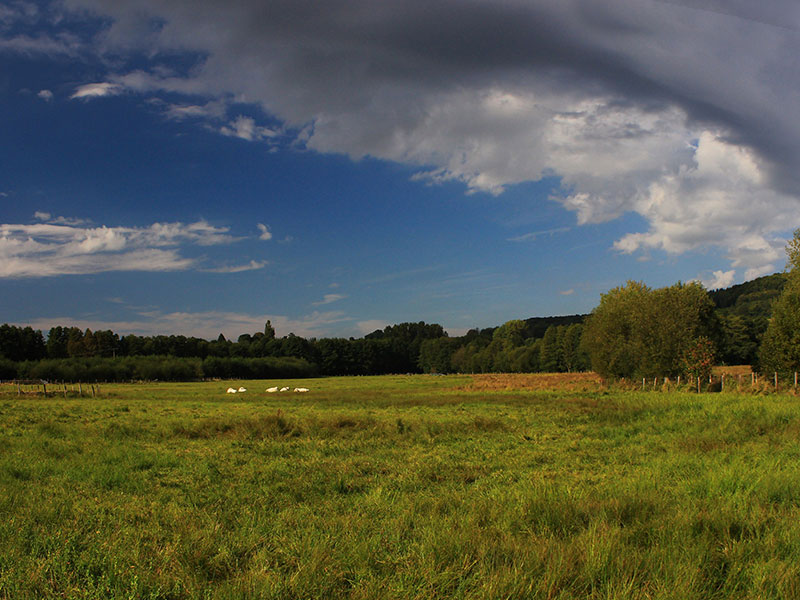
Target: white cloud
719	280
612	99
265	232
365	327
329	298
567	292
45	95
97	90
49	218
718	200
253	265
245	128
50	249
179	112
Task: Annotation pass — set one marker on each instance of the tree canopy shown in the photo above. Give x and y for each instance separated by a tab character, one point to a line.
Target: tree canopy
780	348
638	331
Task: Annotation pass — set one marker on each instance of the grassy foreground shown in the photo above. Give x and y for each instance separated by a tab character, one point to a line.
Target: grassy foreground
399	487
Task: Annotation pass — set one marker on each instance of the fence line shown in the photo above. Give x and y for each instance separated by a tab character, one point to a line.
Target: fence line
32	387
728	382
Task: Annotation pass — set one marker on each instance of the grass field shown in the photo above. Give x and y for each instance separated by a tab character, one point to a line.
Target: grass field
400	487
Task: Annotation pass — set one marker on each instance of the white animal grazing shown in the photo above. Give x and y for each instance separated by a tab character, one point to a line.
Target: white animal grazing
300	389
272	390
231	391
284	389
241	389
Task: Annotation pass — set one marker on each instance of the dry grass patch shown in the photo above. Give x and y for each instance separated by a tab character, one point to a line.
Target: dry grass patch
732	370
513	382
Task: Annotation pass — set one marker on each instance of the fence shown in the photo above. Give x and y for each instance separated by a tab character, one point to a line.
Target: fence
725	382
29	387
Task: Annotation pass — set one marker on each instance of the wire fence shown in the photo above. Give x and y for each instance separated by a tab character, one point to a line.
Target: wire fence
33	387
776	382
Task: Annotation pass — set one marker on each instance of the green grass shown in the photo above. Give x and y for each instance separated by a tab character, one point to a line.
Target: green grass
398	487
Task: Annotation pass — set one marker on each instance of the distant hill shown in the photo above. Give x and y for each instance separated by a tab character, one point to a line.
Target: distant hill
536	326
752	297
751	300
744	311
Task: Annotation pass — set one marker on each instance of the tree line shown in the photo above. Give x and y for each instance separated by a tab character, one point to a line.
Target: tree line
635	331
69	353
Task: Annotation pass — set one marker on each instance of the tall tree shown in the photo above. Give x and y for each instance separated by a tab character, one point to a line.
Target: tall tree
550	355
780	348
637	331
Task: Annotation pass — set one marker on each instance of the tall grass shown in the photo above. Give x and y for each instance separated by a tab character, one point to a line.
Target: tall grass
399	487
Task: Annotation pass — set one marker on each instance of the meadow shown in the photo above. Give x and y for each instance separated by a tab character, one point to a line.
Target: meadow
399	487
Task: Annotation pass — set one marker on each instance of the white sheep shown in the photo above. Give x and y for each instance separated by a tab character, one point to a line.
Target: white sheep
272	390
242	389
231	391
284	389
300	389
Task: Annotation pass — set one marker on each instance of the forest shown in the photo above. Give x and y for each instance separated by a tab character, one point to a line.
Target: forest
634	331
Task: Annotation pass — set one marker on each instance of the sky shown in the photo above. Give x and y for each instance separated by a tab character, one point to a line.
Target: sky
195	167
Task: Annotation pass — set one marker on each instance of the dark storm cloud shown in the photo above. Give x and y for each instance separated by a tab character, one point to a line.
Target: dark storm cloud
678	110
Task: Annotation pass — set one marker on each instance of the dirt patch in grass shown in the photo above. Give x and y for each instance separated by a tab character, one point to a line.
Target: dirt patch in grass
732	370
512	382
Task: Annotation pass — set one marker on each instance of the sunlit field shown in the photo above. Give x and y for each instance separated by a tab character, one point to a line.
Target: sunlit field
399	487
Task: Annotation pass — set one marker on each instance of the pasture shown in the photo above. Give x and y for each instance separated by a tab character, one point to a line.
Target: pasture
399	487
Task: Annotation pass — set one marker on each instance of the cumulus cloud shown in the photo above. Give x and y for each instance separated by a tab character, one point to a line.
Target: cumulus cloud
719	199
97	90
612	98
53	248
45	95
245	128
719	280
266	234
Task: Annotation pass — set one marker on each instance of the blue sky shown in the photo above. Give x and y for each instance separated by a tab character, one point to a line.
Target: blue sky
197	169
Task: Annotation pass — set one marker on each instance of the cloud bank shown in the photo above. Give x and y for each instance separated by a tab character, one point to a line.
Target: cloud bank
683	112
68	247
205	324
